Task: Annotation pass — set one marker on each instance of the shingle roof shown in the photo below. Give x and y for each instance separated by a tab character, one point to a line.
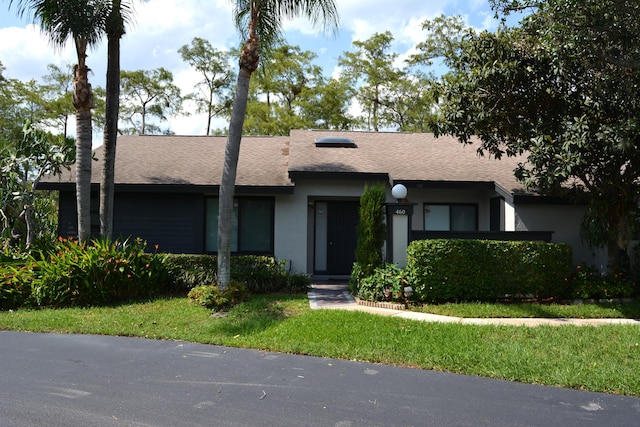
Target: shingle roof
194	160
270	161
403	156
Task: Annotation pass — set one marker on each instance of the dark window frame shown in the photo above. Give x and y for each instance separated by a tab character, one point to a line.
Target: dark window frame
241	215
451	205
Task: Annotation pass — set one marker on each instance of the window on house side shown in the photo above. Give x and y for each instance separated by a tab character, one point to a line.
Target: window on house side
450	217
252	231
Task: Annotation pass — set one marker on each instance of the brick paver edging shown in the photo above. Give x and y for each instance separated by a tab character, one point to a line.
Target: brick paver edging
380	304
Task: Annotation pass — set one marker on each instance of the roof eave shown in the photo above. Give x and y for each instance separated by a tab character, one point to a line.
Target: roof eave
356	176
175	188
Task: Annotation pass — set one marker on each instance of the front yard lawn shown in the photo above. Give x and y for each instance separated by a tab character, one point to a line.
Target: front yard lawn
606	310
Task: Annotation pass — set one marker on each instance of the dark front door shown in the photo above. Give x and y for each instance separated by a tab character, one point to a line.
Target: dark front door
342	235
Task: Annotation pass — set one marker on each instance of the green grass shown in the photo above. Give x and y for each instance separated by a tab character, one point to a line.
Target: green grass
603	358
629	310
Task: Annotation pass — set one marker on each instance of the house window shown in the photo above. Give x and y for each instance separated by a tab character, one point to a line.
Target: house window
252	229
450	217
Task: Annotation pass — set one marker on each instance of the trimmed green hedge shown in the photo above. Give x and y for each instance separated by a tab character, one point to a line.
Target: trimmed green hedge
486	270
261	274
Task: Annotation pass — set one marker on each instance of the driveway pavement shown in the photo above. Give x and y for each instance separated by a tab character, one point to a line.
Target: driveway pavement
82	380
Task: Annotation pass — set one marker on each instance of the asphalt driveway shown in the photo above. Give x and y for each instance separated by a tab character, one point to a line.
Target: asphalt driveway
83	380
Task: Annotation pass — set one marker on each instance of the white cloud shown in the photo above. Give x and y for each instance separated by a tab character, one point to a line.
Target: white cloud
161	27
26	52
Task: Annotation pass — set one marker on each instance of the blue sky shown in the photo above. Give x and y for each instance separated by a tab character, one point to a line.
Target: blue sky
163	26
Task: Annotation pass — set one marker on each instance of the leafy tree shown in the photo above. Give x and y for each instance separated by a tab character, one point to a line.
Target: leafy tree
409	103
27	98
82	21
214	94
58	97
370	68
326	106
561	88
148	94
391	97
9	128
22	165
260	23
46	105
279	90
280	86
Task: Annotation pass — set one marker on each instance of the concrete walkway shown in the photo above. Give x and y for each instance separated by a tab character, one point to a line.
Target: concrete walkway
335	295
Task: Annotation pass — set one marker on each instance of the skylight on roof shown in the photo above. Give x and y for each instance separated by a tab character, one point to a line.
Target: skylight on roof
335	141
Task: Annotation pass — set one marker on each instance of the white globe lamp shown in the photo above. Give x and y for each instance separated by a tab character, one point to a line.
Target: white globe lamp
399	192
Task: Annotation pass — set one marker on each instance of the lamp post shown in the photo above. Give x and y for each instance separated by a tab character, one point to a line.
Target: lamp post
398	226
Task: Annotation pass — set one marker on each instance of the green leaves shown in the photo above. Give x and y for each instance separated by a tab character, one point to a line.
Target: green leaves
23	211
562	89
371	229
482	270
147	94
68	273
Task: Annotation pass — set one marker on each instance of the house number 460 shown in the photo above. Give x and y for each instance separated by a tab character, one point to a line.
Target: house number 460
401	211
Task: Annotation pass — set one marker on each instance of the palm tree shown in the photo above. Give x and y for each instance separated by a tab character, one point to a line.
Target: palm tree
119	15
260	22
84	22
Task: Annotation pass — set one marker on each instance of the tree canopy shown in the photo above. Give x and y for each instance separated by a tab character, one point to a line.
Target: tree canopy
147	94
214	94
562	88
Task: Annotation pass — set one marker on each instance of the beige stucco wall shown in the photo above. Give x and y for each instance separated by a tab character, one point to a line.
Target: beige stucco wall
564	221
293	223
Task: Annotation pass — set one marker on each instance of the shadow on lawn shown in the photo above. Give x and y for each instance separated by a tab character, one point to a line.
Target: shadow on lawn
630	310
258	314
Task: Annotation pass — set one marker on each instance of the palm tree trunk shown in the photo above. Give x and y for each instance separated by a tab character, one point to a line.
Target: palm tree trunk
110	135
227	184
83	102
249	58
83	173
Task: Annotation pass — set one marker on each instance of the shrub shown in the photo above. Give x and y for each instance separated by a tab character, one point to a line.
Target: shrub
261	274
16	276
387	283
66	273
482	270
298	282
588	283
210	296
102	272
188	271
15	284
357	275
371	228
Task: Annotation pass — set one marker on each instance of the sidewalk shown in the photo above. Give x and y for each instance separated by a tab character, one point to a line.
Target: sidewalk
335	295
